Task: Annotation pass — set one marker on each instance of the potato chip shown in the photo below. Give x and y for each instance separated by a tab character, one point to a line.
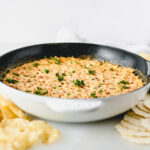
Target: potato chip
19	134
9	110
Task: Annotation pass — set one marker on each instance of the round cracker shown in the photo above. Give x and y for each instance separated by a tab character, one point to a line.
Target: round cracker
147	104
132	119
132	126
146	123
127	131
145	55
142	107
140	112
135	139
134	115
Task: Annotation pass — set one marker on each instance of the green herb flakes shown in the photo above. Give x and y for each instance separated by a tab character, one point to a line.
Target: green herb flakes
93	95
91	72
123	82
46	71
60	78
12	81
79	83
35	64
16	74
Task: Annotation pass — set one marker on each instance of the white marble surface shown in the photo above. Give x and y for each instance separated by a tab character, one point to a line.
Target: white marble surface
84	136
37	21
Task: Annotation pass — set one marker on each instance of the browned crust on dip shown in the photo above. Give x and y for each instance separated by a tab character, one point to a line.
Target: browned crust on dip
69	77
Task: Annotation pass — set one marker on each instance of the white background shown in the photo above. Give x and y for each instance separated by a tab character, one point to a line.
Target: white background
24	22
37	21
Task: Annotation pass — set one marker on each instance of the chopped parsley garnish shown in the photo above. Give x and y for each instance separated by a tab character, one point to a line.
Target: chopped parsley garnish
50	57
60	78
93	95
54	87
16	74
63	74
103	80
68	94
100	91
111	69
91	72
85	67
45	57
35	64
39	88
12	81
124	87
39	91
46	92
60	86
28	91
91	65
33	76
100	84
78	63
57	61
46	71
73	71
101	63
79	83
123	82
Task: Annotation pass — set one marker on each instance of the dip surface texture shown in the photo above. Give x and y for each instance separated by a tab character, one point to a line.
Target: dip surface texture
69	77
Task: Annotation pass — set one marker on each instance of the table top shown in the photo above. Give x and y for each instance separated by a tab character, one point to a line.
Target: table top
85	136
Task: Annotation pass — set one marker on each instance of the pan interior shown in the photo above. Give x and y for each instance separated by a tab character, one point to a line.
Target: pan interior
110	54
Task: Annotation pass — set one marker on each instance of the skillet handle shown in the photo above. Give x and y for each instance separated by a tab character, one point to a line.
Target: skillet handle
148	69
73	105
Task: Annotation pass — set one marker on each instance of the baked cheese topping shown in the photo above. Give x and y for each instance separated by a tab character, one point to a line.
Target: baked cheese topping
69	77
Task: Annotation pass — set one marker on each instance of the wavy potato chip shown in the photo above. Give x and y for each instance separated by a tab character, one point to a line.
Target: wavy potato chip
9	110
20	134
17	132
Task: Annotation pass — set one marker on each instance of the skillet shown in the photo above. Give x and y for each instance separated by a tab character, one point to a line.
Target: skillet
74	110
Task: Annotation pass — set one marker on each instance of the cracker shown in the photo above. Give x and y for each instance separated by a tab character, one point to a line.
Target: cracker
147	104
146	123
142	107
135	139
134	127
132	120
131	132
140	112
